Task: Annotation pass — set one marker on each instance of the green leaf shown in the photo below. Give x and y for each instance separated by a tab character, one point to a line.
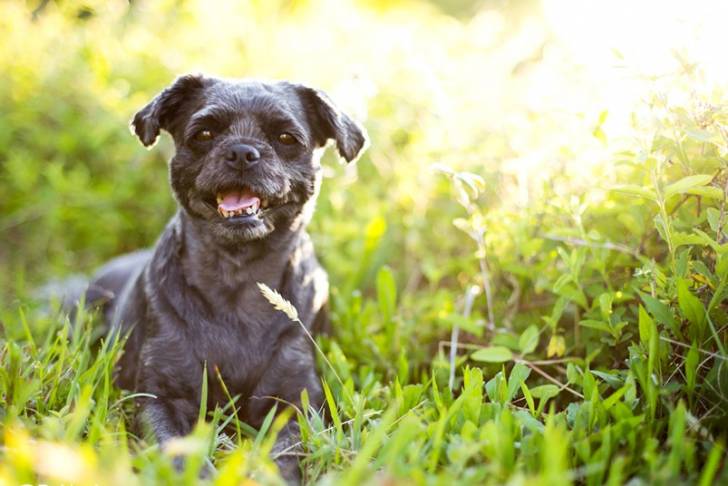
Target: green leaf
518	376
573	293
662	227
681	263
691	368
705	239
634	190
265	426
676	439
491	387
686	184
572	373
492	354
612	379
594	324
661	311
721	268
333	409
528	421
646	325
202	412
556	312
475	182
682	239
709	192
561	282
718	296
529	398
713	218
712	464
544	392
589	384
700	135
605	304
386	292
528	340
611	400
690	306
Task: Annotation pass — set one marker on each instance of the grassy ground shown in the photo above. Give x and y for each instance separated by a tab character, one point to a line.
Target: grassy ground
529	266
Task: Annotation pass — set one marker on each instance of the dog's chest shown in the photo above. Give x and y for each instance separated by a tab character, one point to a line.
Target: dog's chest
231	328
238	345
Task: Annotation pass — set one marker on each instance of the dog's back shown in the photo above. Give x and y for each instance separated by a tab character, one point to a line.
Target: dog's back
103	289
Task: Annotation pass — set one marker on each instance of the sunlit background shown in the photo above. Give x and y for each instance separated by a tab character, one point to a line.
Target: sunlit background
511	90
499	130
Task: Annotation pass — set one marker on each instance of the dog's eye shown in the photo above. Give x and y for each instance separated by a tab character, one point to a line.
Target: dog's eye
286	138
204	136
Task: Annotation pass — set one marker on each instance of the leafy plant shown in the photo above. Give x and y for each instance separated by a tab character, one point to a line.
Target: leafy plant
518	295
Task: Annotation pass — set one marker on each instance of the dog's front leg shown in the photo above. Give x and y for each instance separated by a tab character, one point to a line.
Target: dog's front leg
287	447
286	451
288	375
169	418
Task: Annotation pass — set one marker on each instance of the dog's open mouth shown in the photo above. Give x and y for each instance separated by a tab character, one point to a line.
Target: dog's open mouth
240	203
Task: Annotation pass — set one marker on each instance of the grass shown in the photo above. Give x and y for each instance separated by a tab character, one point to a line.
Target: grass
523	291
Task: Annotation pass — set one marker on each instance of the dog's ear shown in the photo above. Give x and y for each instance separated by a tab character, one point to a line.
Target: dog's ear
161	111
329	123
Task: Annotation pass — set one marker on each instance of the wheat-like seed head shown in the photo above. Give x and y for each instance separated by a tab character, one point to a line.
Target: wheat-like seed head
278	302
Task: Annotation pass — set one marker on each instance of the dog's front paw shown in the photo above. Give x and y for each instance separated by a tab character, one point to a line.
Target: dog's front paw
207	469
289	469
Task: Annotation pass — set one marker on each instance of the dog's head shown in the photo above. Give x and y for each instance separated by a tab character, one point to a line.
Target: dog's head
246	160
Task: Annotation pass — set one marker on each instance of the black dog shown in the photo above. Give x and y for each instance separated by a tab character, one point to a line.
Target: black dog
246	175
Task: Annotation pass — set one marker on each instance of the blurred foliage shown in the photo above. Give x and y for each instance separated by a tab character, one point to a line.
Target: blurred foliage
547	196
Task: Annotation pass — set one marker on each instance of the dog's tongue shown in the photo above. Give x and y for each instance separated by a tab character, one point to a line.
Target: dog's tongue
237	199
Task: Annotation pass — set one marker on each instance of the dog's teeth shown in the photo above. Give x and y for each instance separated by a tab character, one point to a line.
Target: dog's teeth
250	210
264	203
219	198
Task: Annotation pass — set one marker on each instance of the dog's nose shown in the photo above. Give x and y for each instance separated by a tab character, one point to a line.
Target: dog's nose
242	154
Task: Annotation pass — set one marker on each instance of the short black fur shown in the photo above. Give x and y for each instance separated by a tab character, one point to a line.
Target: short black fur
192	302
